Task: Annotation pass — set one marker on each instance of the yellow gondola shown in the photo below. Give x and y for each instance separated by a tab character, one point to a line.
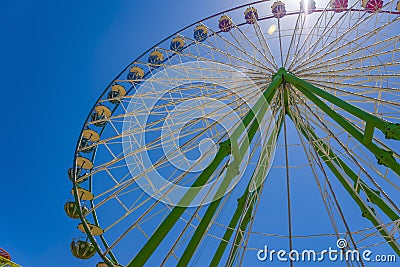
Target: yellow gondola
82	249
91	135
88	137
100	115
156	57
177	44
71	209
94	229
116	93
84	163
200	33
83	194
135	73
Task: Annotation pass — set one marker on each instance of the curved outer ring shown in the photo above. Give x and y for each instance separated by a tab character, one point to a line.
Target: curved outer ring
76	154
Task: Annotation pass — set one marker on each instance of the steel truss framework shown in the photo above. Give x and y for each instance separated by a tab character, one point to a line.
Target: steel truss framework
285	80
338	90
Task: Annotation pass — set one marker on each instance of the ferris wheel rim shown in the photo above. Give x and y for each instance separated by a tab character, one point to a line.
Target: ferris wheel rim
144	54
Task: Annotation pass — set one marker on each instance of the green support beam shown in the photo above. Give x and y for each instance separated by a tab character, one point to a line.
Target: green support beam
329	157
162	231
229	231
232	171
257	180
225	149
241	202
391	130
384	157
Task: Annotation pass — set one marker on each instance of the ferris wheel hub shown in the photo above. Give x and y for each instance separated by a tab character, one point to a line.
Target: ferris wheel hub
281	72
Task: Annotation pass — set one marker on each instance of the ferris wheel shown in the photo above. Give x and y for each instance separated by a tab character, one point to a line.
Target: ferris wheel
261	125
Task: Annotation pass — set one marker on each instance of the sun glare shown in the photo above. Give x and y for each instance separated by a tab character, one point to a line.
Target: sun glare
272	29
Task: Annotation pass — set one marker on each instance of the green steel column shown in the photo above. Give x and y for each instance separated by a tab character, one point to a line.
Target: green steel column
229	231
238	212
391	130
258	179
161	232
210	212
384	157
329	156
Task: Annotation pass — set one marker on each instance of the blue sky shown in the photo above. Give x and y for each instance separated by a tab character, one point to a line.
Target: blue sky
56	58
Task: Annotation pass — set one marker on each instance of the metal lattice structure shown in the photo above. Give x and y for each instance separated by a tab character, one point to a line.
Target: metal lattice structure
237	116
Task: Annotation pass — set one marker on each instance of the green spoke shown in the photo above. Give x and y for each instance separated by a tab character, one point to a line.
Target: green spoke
329	158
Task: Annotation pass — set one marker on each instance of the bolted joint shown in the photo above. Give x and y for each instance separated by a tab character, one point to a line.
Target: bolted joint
373	195
366	213
393	131
385	158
